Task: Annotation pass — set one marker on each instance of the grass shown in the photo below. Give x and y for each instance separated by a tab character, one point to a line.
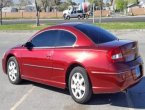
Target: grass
109	26
122	25
24	27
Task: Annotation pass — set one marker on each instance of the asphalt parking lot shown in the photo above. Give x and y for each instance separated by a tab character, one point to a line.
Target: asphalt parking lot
33	96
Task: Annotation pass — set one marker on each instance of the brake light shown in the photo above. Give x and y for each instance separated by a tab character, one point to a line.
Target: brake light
116	55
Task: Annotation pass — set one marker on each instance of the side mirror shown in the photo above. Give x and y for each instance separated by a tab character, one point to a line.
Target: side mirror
29	45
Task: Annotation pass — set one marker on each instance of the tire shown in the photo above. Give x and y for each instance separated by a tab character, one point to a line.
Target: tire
64	16
79	85
68	17
13	71
87	16
79	17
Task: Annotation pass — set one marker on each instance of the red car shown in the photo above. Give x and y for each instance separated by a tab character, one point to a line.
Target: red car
82	57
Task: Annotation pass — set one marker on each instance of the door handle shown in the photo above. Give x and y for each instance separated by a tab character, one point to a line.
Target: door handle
49	54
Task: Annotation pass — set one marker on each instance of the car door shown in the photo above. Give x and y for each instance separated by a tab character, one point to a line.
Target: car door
73	14
37	62
61	54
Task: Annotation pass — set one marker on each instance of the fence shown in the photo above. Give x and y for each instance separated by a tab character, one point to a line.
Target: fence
31	15
137	11
104	13
43	15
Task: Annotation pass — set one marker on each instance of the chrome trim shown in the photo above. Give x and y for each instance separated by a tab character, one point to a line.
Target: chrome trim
38	66
57	68
95	72
51	47
46	67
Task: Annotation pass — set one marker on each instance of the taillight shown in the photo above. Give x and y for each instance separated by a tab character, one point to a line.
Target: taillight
115	55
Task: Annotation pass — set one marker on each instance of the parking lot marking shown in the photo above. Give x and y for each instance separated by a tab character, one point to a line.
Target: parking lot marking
22	99
129	101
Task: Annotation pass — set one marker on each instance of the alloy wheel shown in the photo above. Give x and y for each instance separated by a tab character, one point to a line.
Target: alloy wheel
78	85
12	71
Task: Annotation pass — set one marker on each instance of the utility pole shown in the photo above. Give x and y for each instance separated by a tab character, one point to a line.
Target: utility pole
1	6
100	11
93	13
37	14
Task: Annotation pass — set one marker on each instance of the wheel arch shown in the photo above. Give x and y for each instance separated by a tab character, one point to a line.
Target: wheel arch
69	69
7	58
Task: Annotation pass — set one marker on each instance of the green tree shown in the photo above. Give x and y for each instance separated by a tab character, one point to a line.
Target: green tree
69	2
98	3
132	1
63	6
4	3
23	3
44	4
120	5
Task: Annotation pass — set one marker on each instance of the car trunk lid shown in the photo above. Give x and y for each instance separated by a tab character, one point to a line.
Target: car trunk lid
121	50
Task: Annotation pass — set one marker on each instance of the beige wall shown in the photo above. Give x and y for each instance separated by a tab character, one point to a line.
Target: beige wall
43	15
104	13
32	15
137	11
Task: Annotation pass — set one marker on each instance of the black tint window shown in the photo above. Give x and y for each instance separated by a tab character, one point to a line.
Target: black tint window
65	39
96	34
45	39
79	11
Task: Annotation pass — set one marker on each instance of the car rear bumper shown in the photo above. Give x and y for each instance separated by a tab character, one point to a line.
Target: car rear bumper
113	82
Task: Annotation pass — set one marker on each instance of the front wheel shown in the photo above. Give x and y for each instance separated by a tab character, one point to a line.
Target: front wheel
68	17
13	71
79	85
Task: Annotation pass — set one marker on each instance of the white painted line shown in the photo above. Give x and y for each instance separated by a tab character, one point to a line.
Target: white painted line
22	99
129	101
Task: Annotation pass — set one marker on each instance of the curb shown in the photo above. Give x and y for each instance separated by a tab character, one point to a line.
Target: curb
127	30
33	31
18	31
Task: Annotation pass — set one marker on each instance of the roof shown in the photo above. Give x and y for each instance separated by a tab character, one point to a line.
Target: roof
71	24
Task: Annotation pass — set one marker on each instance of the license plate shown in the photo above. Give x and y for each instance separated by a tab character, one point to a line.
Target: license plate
137	71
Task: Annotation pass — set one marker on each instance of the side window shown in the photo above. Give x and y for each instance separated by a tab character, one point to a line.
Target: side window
65	38
45	39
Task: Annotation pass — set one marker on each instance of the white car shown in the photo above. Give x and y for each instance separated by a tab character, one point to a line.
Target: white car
74	14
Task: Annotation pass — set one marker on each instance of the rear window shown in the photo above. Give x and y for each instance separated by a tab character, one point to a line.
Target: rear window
96	34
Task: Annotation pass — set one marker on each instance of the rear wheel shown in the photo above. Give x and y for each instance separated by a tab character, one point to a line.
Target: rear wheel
13	71
68	17
87	16
79	85
79	17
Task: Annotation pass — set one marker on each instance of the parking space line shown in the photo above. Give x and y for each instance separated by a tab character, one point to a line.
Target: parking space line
22	99
129	101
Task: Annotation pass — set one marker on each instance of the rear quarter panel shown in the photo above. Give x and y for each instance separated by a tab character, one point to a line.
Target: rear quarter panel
90	59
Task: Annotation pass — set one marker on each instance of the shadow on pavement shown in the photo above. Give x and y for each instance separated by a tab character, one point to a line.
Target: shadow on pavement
136	94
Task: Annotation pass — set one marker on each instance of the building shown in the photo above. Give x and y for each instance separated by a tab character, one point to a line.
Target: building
142	3
9	9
